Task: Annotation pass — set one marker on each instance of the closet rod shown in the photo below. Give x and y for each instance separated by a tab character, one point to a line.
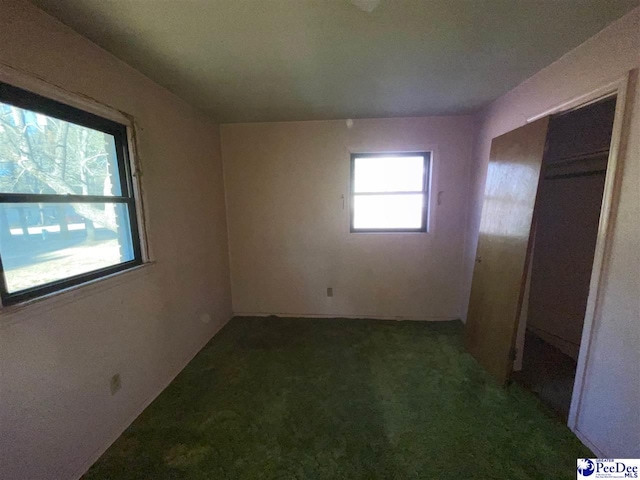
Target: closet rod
578	174
579	156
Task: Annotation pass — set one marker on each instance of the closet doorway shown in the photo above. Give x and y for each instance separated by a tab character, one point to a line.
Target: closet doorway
562	250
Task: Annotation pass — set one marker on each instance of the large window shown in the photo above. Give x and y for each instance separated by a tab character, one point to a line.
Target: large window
67	210
389	192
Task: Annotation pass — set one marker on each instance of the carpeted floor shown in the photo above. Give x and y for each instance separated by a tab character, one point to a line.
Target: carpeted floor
273	398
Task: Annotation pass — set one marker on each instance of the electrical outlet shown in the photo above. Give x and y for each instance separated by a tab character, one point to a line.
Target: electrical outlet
330	292
115	384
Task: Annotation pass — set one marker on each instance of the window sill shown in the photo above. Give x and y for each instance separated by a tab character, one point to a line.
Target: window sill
11	314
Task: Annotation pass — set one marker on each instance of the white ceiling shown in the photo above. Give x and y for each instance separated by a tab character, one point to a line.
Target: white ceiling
270	60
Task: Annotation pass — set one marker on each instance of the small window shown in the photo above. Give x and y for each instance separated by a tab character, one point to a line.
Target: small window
67	210
389	192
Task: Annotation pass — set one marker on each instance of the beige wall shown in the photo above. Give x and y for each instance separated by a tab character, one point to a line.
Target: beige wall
611	402
289	233
56	357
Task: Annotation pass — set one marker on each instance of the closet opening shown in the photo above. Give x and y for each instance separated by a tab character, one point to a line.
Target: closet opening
561	254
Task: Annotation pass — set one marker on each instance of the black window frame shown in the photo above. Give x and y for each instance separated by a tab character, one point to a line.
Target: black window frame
426	181
24	99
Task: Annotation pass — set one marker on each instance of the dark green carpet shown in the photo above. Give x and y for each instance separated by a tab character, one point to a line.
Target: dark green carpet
273	398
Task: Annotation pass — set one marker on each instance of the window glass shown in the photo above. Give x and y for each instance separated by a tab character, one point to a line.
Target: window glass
40	154
43	243
388	211
388	174
389	192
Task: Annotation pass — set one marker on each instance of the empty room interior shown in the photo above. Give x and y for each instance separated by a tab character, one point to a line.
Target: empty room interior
372	239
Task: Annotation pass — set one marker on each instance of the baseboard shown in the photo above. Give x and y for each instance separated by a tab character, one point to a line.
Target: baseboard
118	431
587	443
339	315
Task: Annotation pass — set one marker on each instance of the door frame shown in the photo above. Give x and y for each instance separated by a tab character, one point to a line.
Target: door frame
618	88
